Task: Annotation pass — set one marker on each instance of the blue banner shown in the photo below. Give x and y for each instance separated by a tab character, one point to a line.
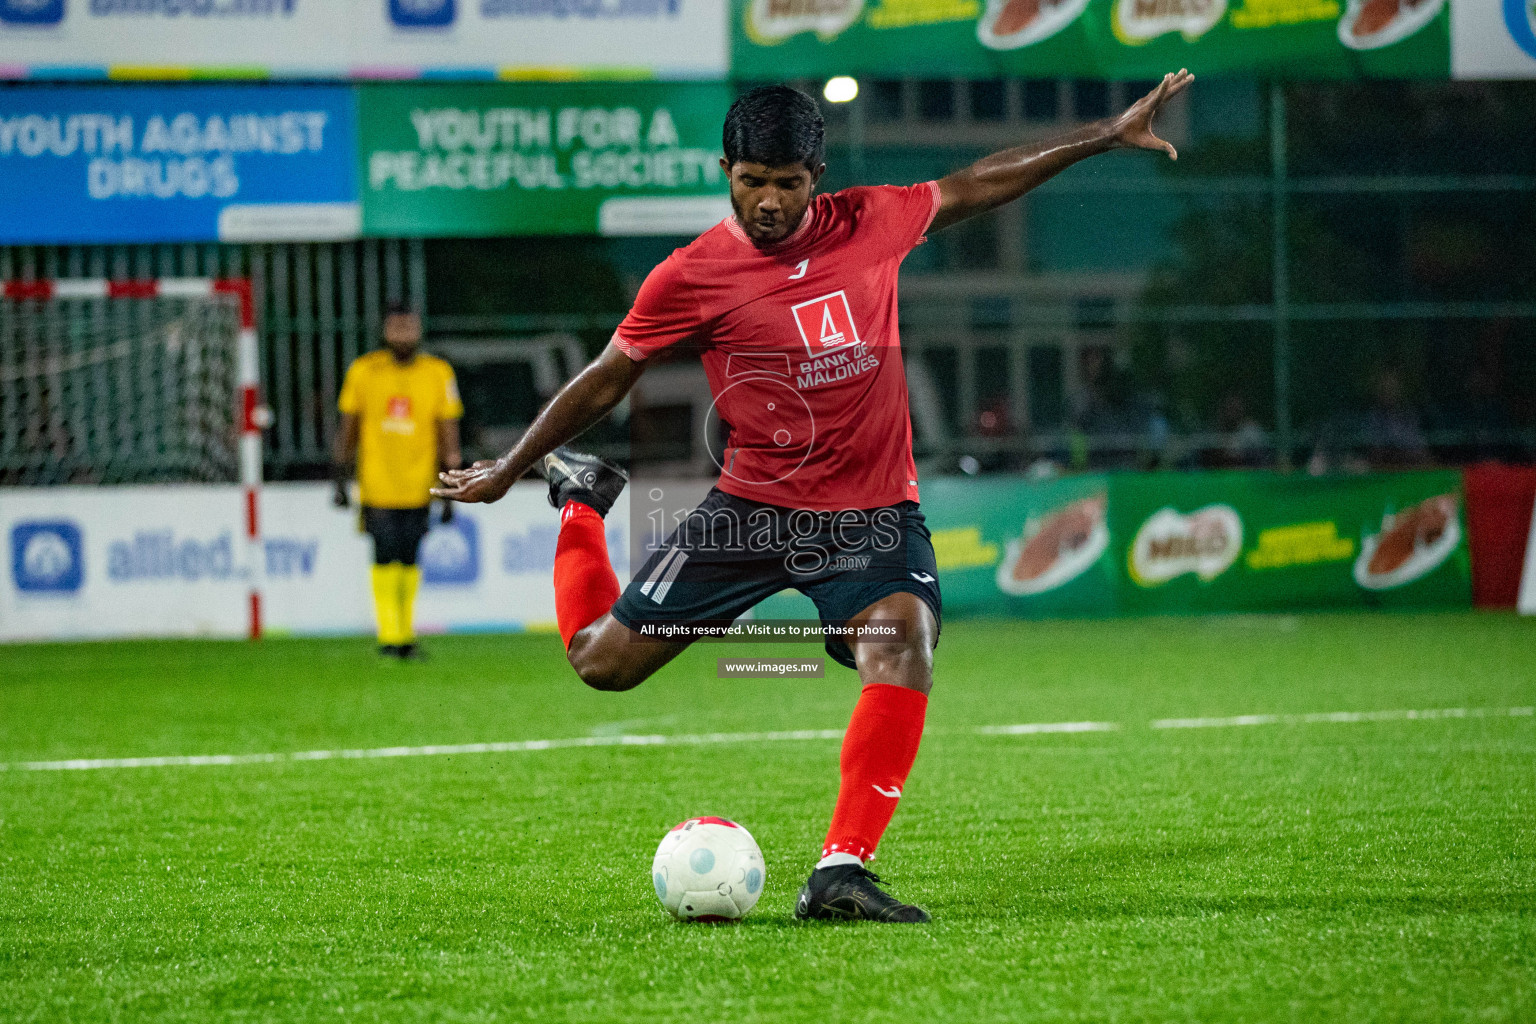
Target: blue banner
178	163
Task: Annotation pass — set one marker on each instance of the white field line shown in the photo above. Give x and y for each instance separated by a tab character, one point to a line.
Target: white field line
703	739
1336	717
436	750
1034	728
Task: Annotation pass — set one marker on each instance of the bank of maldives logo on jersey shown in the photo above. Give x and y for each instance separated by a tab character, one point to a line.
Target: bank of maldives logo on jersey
422	13
31	12
47	557
826	324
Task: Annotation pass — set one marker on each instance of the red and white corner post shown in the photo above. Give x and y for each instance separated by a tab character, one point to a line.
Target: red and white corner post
253	417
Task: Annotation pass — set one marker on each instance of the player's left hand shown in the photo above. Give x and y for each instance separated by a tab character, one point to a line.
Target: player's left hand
1133	129
485	481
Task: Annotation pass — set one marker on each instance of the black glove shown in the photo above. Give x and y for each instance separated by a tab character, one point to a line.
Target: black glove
447	516
341	499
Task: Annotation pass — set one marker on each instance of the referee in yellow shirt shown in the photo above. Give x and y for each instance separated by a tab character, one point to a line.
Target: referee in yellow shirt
400	414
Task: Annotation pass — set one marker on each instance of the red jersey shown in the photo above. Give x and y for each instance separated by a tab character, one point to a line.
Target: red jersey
801	347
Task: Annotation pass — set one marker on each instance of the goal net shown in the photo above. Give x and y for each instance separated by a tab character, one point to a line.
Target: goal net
121	382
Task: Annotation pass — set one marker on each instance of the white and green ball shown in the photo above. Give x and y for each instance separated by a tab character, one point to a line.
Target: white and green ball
708	869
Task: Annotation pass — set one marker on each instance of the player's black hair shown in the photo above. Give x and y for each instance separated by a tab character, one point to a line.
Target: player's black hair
397	307
775	125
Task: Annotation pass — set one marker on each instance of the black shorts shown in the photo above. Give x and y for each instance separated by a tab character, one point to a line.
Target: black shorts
396	533
730	553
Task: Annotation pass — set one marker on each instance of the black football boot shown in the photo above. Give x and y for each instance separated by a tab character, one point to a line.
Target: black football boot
410	652
575	476
848	892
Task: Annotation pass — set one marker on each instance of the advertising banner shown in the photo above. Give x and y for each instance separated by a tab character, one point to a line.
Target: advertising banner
162	164
1114	39
1493	38
564	39
1027	549
122	561
458	160
489	570
1168	543
169	561
1264	542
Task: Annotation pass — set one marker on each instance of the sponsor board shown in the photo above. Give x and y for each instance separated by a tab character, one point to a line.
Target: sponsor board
542	159
155	163
1162	543
1055	548
1410	543
1114	39
1242	541
140	561
310	39
170	561
1170	544
1014	24
1493	38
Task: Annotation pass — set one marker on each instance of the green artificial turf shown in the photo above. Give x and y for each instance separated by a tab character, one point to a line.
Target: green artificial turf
1328	871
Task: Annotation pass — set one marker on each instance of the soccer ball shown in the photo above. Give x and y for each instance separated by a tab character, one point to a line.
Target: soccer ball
708	869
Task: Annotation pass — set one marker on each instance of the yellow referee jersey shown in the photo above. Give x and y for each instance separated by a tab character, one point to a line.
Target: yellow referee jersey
397	409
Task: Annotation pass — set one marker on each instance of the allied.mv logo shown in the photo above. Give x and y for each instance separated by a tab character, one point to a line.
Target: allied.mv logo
31	12
450	554
422	13
826	324
47	557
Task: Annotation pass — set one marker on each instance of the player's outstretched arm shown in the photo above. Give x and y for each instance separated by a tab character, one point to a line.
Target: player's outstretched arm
1003	177
587	398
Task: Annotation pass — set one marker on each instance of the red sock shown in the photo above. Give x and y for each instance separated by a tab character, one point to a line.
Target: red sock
878	751
585	585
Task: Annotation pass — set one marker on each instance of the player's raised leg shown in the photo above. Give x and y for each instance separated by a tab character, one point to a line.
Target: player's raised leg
606	654
878	750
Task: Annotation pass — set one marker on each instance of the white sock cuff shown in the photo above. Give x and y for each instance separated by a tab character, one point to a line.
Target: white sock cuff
833	860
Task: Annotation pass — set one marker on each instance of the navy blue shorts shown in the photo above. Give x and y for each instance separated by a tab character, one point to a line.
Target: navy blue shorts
731	553
396	533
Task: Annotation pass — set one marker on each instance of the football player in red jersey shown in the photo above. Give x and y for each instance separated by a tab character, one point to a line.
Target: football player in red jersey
791	303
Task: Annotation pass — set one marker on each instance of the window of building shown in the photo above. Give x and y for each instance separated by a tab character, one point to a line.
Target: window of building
1090	99
1040	103
989	100
884	100
936	100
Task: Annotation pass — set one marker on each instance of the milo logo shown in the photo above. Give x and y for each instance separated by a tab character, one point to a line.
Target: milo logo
1169	544
773	21
1140	21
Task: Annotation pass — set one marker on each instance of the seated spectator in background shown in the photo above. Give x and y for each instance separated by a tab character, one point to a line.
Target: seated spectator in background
1242	443
1388	435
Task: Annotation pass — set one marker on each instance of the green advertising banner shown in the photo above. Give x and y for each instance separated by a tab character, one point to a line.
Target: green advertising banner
1265	542
1161	543
541	159
1011	547
1115	39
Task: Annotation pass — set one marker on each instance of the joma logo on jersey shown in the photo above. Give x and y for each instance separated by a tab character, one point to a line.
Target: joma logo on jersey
826	323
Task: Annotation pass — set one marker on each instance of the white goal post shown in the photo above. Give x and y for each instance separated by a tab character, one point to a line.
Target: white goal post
121	381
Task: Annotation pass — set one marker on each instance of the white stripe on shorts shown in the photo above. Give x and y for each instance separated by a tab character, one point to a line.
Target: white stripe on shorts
661	567
666	583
